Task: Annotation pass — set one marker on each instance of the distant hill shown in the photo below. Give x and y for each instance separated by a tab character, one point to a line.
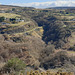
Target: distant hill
61	8
6	7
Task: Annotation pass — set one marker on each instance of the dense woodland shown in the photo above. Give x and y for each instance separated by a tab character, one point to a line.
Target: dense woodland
37	39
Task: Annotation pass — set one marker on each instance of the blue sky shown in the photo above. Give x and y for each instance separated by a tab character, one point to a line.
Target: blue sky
39	3
22	1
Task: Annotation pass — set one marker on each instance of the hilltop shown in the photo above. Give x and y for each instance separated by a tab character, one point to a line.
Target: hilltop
62	8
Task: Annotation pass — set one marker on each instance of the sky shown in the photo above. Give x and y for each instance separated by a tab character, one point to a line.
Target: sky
39	3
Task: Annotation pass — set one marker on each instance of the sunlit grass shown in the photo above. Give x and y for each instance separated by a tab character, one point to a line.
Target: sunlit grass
18	24
67	17
9	15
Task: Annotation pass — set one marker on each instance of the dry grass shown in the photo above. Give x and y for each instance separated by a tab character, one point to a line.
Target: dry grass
41	30
72	39
19	24
9	15
28	31
71	53
1	64
49	73
35	34
67	17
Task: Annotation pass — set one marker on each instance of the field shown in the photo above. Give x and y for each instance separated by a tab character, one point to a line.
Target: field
67	17
9	15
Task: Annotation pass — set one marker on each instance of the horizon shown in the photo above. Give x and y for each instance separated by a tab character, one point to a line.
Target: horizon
40	8
40	4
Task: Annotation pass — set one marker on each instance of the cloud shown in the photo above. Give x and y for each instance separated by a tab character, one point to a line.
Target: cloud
56	3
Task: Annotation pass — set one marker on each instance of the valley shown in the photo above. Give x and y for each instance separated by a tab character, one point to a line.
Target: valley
37	39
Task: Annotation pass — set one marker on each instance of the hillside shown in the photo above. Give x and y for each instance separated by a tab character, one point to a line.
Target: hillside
41	38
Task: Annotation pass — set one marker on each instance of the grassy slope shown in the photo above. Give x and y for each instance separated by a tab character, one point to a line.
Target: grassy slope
32	32
72	39
9	15
19	24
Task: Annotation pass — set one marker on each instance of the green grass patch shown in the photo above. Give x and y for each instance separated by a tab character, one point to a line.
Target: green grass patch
9	15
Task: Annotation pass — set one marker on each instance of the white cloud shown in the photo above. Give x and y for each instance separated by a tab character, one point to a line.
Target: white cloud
48	4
